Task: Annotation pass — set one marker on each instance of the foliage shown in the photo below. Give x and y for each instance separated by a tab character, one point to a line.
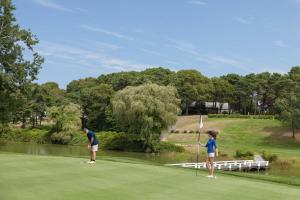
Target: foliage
269	156
120	141
145	110
66	121
222	92
120	80
192	86
95	102
289	109
244	154
36	135
16	72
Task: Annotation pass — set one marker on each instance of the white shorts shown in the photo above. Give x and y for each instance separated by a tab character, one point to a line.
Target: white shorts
94	147
211	155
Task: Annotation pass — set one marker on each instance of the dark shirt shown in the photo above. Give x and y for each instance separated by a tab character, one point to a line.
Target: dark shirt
90	135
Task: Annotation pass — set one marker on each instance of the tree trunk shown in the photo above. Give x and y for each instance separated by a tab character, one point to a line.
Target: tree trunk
23	122
293	129
187	109
36	120
41	118
294	136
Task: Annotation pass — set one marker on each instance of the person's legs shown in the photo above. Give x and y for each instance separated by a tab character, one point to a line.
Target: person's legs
91	155
94	155
208	165
94	150
211	160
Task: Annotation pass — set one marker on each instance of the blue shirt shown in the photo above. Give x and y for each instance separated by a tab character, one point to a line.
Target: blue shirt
211	146
90	135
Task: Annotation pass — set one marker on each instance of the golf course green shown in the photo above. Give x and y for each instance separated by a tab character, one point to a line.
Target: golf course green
47	177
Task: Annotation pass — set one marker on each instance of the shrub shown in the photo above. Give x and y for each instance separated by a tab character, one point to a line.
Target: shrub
269	156
185	131
172	131
25	135
63	137
167	147
241	116
120	141
191	131
177	131
244	154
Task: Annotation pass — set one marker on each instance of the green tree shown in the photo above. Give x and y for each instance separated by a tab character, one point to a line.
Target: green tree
121	80
54	95
95	104
16	72
222	91
159	76
66	120
192	86
289	110
146	110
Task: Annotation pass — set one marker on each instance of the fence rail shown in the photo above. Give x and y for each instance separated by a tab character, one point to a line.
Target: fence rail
228	165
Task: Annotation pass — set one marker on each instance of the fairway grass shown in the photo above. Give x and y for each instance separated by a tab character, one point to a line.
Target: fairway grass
28	177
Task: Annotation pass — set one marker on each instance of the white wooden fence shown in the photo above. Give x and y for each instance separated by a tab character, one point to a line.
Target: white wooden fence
228	165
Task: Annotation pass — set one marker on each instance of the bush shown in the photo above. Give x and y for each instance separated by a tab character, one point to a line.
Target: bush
172	131
63	137
244	154
177	131
241	116
191	131
120	141
26	135
167	147
269	156
185	131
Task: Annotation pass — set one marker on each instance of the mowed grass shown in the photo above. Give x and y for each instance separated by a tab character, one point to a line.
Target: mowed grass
44	177
241	134
255	135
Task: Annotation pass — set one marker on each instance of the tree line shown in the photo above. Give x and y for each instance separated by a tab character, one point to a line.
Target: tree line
142	102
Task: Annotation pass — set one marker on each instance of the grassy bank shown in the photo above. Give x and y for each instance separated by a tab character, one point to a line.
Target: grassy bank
253	135
44	177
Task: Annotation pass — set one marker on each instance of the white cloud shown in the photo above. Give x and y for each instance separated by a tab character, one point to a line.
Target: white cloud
194	52
223	60
102	45
83	58
156	53
280	43
183	46
106	32
172	62
243	20
53	5
197	2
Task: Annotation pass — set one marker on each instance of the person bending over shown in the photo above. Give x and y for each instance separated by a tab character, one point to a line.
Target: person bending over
92	144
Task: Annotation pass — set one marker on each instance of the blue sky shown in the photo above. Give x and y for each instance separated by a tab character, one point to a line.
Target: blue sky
87	38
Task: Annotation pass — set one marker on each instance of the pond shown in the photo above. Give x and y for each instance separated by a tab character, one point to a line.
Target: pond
82	151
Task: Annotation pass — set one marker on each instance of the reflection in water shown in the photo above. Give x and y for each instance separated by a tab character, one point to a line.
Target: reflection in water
81	151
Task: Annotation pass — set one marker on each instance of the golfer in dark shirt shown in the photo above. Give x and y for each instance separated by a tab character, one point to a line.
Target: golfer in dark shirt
92	144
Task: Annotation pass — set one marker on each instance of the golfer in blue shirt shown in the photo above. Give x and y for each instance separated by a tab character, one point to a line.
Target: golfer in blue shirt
212	151
92	144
